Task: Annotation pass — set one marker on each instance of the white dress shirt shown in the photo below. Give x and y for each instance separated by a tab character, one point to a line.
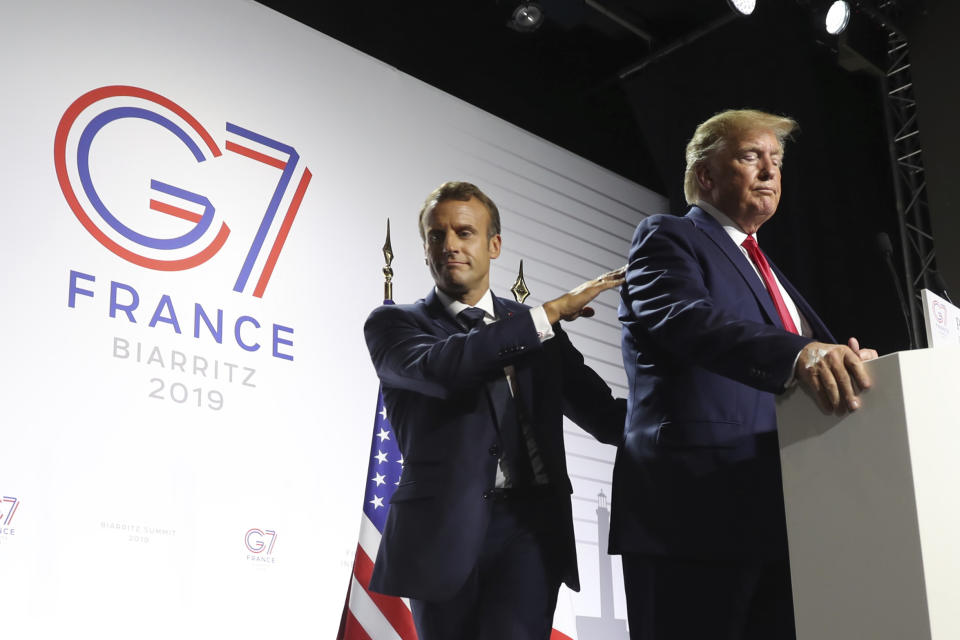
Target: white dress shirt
738	236
453	307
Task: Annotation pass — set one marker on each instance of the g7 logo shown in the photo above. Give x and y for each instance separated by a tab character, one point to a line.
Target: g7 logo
192	135
940	313
8	516
254	541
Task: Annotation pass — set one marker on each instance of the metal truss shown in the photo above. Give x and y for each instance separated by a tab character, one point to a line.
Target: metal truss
909	177
909	182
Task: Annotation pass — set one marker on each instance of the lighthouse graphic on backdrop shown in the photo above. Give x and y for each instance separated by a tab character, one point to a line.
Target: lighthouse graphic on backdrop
606	627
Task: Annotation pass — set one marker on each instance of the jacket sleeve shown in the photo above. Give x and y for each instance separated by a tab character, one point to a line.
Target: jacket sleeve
667	302
410	352
587	400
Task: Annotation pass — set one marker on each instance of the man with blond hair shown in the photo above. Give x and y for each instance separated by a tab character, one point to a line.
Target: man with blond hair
712	331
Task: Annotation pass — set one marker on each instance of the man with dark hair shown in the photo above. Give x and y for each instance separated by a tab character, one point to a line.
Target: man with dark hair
462	191
711	332
480	533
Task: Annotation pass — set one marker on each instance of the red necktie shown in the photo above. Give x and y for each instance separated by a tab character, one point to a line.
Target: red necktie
767	275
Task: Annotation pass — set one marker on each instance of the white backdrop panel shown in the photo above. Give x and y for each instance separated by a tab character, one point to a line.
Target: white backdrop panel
138	454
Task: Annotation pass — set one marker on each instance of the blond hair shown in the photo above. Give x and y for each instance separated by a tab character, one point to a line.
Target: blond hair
713	134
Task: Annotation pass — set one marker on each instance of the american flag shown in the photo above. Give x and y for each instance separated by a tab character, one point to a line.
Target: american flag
368	615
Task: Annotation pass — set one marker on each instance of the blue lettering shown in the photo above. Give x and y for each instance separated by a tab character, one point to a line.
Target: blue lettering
199	314
277	340
236	333
124	300
169	319
74	290
116	306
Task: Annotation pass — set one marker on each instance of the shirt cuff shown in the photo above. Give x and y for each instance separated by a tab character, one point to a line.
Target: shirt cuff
540	322
792	380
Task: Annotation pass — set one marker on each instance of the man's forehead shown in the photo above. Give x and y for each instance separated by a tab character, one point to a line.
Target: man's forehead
457	221
458	213
756	138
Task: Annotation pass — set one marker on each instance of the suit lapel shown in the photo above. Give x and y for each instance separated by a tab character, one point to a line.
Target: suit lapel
820	330
438	314
447	325
713	230
503	308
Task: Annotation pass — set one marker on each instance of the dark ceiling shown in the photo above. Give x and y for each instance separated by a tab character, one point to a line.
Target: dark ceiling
567	83
561	81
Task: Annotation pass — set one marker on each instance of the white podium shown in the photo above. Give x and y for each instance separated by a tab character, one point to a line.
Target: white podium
873	514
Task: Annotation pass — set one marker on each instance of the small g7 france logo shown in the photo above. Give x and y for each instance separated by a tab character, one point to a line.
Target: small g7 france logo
940	313
9	507
260	541
194	232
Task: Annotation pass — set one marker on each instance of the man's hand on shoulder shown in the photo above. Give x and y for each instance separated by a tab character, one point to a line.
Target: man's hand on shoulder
573	304
834	374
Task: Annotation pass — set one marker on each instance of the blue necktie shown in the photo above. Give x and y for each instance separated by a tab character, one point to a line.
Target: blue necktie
516	457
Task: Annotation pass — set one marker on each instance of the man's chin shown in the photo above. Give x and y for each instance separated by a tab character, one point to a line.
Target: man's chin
763	211
451	288
768	205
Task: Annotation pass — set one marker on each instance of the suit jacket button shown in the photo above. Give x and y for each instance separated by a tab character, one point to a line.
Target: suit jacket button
487	495
494	450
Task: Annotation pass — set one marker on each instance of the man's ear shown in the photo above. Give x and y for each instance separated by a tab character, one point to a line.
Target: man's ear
494	247
704	177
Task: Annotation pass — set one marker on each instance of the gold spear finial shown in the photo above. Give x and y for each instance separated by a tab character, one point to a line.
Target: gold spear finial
387	271
519	288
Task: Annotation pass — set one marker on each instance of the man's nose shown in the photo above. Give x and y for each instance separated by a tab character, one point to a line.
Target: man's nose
768	168
770	165
451	243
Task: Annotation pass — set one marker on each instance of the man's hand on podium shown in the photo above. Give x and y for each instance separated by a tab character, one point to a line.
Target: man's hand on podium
865	354
834	374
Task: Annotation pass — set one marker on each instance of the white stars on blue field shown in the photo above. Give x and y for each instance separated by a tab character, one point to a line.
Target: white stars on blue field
385	466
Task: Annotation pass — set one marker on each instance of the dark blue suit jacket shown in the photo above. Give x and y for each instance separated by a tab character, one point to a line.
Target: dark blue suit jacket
434	377
698	473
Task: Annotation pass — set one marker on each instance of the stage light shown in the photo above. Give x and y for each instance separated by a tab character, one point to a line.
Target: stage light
527	17
838	16
743	7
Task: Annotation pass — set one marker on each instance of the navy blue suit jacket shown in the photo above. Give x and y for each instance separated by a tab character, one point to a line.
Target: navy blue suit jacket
698	473
434	377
